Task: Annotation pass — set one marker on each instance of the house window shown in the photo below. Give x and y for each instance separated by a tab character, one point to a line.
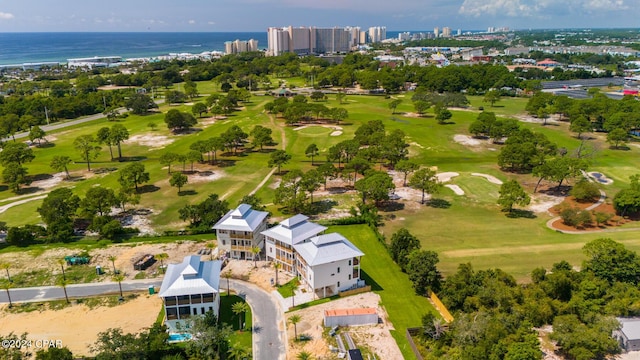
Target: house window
210	308
349	262
202	311
338	270
224	242
271	250
349	276
338	284
195	311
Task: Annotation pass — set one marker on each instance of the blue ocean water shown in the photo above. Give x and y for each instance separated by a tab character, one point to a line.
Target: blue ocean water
18	48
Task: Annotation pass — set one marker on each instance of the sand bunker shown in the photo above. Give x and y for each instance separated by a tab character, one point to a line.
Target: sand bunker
152	141
446	176
205	176
456	189
542	203
54	180
466	140
490	178
336	133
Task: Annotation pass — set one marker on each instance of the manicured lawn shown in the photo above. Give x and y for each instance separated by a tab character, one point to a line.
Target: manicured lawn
404	307
287	289
240	337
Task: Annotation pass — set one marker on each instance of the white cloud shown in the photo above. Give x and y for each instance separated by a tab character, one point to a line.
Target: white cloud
192	22
537	8
6	16
211	22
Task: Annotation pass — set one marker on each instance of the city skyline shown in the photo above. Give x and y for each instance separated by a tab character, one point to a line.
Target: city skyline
258	15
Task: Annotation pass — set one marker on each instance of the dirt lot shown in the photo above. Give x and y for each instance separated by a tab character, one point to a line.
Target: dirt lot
77	326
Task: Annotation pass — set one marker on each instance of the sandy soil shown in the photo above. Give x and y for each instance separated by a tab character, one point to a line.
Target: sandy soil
56	179
456	189
466	140
125	254
336	133
375	337
490	178
205	176
81	324
542	203
150	140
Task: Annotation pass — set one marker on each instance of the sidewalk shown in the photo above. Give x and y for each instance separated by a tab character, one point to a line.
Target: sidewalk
298	298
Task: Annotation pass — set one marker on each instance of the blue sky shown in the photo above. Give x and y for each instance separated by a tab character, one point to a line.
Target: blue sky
257	15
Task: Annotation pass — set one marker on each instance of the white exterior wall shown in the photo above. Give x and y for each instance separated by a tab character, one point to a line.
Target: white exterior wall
327	275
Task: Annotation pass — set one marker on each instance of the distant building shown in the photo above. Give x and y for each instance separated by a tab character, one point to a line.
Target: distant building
404	36
446	32
240	230
436	32
377	34
468	54
188	289
240	46
94	62
312	40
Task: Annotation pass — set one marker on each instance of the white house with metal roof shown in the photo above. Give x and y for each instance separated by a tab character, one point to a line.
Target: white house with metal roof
629	334
190	288
328	264
280	239
240	230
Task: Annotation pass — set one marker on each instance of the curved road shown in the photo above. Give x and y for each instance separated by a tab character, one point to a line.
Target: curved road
268	324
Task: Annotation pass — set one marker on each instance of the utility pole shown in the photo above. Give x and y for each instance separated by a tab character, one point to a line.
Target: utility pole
46	114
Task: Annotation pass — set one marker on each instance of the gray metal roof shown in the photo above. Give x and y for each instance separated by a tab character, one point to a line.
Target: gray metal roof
325	249
243	218
191	276
630	328
294	230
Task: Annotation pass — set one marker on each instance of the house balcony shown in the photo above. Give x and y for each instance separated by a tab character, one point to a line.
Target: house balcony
356	274
241	236
241	248
285	260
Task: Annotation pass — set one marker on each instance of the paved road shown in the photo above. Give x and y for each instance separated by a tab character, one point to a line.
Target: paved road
269	327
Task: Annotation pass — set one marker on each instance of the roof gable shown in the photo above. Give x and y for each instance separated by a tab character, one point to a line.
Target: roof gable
325	249
242	218
191	276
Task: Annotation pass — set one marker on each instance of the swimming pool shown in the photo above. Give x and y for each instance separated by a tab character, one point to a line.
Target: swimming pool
179	337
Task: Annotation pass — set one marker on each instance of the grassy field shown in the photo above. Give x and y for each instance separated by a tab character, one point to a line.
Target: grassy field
240	337
404	307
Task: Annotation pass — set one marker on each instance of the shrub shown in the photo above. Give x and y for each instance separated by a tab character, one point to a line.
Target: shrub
585	191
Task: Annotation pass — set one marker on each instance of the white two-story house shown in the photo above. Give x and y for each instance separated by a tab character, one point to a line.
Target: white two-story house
280	239
240	230
328	264
188	289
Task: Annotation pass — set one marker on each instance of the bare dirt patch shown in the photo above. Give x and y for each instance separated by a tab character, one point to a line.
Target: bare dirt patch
542	203
150	140
205	176
376	337
53	181
466	140
82	324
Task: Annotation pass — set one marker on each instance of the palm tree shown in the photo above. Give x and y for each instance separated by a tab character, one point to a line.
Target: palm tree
255	250
61	262
295	319
238	308
6	284
63	283
227	275
211	246
119	279
277	266
162	257
5	266
238	353
113	258
303	356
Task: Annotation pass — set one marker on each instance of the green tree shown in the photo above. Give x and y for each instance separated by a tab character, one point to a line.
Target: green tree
421	106
580	125
311	181
616	137
104	137
512	193
338	114
492	97
406	167
611	261
18	153
426	181
60	163
133	175
54	353
162	257
86	146
119	278
118	134
57	212
63	284
139	104
327	171
403	243
179	121
190	89
279	158
198	109
261	136
312	151
178	180
36	133
15	175
585	190
98	200
393	105
167	159
375	186
423	272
